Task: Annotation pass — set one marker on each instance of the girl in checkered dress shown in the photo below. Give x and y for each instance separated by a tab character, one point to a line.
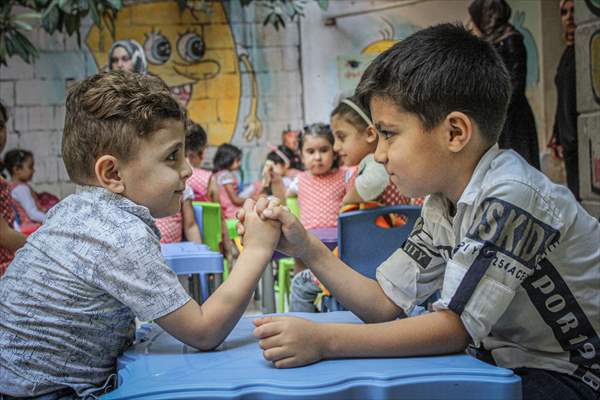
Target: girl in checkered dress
322	186
10	239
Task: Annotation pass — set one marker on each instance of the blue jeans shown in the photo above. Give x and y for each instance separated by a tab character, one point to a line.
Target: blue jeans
303	292
541	384
63	394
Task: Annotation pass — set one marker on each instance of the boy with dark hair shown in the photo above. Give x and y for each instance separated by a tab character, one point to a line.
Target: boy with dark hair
68	301
516	257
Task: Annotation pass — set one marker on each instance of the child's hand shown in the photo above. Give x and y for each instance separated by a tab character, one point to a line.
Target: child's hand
294	240
258	232
289	341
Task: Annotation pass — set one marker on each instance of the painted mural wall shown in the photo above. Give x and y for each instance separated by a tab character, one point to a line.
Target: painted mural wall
587	54
238	78
345	48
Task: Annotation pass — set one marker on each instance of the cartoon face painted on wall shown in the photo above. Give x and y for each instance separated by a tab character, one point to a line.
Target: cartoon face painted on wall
195	55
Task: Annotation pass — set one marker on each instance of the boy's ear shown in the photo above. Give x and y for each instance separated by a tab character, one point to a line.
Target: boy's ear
460	129
371	133
107	174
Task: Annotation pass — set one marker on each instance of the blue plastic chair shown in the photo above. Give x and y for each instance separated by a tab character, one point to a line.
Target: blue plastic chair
363	245
187	258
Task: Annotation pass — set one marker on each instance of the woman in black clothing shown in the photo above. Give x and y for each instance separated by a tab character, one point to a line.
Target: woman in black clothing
490	22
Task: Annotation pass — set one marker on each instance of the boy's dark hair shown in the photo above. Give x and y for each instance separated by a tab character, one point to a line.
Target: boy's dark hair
438	70
225	156
322	130
195	138
110	113
276	157
344	111
15	159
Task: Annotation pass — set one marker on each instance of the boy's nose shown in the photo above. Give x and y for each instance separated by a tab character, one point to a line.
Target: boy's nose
186	172
381	152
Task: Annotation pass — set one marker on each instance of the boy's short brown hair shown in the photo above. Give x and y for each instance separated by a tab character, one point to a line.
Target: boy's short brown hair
109	113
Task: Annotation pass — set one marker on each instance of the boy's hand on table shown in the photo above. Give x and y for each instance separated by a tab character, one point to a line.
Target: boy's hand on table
290	341
257	232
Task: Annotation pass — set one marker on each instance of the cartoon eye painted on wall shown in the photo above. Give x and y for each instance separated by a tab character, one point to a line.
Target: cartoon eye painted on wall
157	48
191	47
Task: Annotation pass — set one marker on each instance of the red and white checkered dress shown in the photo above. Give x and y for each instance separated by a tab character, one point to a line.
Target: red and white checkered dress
171	227
198	181
7	212
320	198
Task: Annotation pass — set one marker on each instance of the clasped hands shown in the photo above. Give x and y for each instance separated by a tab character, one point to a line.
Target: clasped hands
286	341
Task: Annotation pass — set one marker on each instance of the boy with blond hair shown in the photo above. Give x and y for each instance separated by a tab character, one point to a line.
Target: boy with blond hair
69	299
517	258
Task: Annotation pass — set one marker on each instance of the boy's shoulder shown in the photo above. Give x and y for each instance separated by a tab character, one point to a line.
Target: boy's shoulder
504	184
96	212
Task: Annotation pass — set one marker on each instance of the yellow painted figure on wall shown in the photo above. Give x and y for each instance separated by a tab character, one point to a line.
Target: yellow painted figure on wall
195	53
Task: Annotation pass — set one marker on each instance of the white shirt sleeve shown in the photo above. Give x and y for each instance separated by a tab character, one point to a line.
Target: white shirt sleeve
413	272
512	230
22	194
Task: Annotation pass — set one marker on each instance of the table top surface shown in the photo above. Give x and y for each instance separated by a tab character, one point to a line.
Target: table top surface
161	367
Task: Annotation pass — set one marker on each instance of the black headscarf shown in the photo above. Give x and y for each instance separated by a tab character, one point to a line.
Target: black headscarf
491	18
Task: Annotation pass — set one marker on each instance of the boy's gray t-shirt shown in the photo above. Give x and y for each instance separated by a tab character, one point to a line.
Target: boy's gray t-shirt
69	298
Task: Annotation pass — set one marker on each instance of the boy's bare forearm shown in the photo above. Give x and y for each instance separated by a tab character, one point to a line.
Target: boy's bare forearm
224	308
363	296
439	332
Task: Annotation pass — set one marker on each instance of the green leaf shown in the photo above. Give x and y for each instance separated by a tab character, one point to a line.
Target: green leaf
323	4
94	13
65	5
115	4
71	23
28	15
51	20
22	25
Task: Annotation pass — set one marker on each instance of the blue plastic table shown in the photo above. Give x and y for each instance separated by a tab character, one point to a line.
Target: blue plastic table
161	367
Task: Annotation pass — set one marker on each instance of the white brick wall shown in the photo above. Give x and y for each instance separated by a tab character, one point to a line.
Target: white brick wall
35	94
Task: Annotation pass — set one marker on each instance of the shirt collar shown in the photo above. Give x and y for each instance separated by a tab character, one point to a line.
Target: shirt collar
474	186
96	193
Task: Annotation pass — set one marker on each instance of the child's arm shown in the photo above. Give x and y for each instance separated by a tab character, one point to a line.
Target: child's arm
233	196
292	342
22	194
205	327
356	292
9	238
190	228
352	197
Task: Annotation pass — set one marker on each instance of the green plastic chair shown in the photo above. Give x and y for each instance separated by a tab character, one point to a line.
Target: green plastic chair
210	226
286	265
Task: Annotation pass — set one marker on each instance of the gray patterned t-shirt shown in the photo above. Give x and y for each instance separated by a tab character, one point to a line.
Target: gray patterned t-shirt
69	298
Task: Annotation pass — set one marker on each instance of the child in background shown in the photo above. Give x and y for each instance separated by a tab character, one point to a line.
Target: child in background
321	189
227	160
516	255
69	299
10	239
277	174
20	166
322	186
200	181
355	143
182	225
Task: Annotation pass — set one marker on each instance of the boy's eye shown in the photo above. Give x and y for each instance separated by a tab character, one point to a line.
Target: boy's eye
173	156
386	134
